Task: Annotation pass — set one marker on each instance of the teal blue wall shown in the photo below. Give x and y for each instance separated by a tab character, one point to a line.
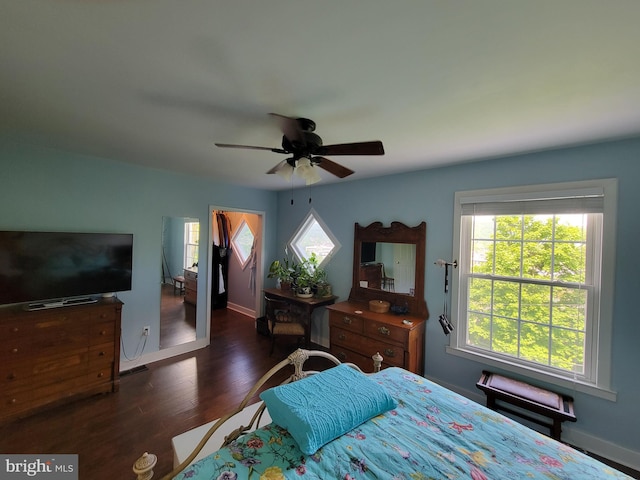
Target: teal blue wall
50	190
45	189
428	196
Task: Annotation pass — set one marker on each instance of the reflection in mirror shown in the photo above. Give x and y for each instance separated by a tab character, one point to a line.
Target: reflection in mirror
178	298
388	266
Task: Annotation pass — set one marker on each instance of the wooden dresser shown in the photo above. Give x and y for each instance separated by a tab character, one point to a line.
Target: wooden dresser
53	355
356	337
191	285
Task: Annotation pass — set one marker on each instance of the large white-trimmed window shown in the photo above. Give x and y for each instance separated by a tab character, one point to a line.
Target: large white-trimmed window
313	236
533	291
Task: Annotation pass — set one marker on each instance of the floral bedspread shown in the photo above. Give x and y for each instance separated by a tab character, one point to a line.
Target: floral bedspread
432	434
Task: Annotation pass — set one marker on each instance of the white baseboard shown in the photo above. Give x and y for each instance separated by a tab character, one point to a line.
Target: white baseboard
570	434
240	309
163	354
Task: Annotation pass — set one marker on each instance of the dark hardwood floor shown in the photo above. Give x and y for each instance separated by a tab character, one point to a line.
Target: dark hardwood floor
177	318
109	432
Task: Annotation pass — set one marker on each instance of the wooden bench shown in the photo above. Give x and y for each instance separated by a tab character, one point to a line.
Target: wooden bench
555	406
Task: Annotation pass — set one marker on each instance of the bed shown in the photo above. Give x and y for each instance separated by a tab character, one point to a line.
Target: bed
417	430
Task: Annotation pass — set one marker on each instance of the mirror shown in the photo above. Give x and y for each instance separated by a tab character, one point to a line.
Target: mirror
388	264
179	287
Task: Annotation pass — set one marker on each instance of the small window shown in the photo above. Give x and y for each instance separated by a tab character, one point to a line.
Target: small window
313	236
242	242
191	243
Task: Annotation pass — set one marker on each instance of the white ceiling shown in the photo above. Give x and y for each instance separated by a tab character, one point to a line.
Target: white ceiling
157	82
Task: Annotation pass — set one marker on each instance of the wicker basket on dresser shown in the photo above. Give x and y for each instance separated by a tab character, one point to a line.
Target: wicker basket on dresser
52	355
355	337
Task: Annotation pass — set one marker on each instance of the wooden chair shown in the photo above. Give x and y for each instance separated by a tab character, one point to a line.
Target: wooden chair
283	320
178	284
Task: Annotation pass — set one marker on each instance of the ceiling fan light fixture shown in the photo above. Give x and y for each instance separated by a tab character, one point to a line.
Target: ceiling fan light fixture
285	171
306	171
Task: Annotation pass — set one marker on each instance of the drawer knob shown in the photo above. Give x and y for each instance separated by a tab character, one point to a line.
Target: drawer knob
101	354
11	376
342	356
103	332
390	352
15	329
100	375
14	350
342	336
384	331
347	320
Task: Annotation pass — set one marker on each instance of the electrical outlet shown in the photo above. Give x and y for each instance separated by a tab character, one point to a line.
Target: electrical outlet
146	331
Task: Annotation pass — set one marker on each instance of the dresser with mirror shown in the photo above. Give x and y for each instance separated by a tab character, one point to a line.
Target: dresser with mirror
386	311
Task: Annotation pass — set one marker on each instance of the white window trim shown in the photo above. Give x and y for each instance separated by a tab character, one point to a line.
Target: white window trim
602	386
313	215
243	262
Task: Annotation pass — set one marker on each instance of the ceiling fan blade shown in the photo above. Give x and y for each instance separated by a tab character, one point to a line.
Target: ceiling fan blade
290	128
249	147
360	148
278	167
332	167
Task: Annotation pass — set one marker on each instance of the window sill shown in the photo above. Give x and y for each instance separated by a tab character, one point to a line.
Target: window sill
570	385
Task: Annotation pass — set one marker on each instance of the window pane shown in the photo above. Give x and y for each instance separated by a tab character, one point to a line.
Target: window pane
536	260
506	299
242	242
480	295
482	256
509	227
313	238
535	303
567	350
568	308
507	261
479	330
534	342
483	226
505	336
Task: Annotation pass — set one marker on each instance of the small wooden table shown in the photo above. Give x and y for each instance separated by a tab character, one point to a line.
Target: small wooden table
543	402
307	305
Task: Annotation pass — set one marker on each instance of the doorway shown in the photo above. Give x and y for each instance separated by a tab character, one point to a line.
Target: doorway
238	286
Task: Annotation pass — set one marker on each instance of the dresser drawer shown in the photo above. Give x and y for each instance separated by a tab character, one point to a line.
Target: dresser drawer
101	354
102	332
15	376
53	355
349	356
14	329
14	350
345	339
13	403
190	296
346	321
386	332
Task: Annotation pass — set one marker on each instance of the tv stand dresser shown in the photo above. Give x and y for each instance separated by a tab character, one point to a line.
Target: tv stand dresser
53	355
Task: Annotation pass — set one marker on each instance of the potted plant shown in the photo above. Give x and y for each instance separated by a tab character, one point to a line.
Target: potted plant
283	271
303	278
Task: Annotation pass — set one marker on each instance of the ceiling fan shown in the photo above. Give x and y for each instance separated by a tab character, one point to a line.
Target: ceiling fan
308	151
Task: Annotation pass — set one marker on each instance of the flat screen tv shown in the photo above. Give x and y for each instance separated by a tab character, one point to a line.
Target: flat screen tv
41	266
368	252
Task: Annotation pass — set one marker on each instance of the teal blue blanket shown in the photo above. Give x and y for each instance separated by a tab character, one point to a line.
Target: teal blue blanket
433	433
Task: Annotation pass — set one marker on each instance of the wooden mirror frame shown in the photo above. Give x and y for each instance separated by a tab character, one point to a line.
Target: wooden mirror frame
396	233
